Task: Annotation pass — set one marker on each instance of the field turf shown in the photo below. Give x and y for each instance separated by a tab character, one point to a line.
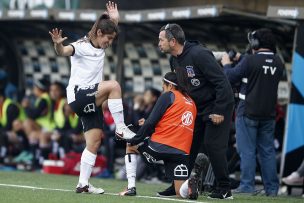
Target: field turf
25	187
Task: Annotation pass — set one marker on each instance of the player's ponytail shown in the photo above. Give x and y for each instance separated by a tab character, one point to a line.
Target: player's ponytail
182	81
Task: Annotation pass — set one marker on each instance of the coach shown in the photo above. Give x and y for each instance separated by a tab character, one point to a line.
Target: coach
212	93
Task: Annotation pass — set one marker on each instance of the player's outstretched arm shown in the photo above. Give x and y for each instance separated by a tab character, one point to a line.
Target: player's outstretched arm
113	11
57	40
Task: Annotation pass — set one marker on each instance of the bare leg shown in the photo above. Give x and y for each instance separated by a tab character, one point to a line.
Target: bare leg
178	184
93	140
107	90
29	126
111	91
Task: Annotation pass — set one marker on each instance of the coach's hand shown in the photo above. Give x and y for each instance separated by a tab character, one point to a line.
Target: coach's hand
57	36
216	119
141	122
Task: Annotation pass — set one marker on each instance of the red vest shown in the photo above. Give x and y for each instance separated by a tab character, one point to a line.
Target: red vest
175	128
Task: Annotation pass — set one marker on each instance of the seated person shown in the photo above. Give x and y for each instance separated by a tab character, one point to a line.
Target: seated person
10	112
39	123
68	128
170	126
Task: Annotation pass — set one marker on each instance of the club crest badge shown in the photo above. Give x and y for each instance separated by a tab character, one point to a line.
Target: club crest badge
195	82
190	71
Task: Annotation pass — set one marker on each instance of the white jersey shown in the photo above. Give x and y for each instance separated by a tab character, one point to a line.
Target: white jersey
86	66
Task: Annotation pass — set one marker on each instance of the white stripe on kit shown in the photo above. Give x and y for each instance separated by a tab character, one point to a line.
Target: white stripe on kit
242	96
245	80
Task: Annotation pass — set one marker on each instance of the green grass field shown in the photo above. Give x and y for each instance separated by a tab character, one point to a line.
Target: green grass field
42	188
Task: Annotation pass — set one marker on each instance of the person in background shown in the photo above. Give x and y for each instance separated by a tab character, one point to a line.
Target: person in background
259	74
39	122
10	112
10	90
67	126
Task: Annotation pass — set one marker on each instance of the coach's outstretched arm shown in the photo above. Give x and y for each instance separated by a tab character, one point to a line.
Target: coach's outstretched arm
58	39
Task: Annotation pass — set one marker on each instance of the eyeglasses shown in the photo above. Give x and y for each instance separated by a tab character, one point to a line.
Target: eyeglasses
168	28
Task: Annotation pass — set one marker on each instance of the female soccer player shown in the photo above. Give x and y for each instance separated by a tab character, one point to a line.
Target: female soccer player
87	92
170	126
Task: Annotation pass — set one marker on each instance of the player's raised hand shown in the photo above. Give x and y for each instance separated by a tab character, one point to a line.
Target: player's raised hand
57	36
113	11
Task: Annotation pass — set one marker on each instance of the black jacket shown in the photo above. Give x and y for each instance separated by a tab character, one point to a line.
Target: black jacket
209	87
259	75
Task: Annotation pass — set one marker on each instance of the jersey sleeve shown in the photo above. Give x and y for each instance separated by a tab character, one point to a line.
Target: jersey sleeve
78	48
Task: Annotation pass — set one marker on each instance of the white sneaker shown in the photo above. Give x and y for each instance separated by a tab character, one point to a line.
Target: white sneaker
123	132
88	189
293	179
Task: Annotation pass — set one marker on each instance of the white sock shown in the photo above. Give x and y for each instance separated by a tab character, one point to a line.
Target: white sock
86	165
131	163
183	191
116	109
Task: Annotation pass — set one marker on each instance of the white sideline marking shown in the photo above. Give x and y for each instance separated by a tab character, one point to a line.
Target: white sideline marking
106	193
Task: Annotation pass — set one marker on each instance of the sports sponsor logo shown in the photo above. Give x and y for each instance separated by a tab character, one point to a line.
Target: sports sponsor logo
181	171
91	94
89	108
87	87
187	118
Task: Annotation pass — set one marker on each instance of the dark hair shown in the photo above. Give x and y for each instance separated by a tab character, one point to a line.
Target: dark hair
61	86
179	79
43	84
3	78
105	24
266	39
2	91
155	92
174	31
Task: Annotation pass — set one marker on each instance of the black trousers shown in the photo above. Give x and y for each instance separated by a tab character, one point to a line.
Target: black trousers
213	141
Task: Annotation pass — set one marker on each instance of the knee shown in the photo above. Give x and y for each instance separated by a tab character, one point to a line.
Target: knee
34	137
44	138
17	125
115	85
29	126
26	124
131	149
93	146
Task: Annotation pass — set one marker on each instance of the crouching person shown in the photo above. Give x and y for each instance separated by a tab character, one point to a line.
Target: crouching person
167	136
